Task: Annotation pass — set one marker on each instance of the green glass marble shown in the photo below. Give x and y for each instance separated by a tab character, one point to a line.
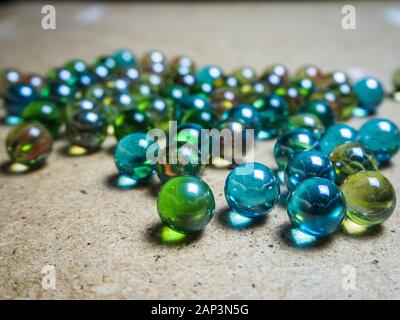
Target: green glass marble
160	110
131	121
347	98
291	143
205	118
46	113
188	133
250	92
245	75
87	129
61	75
60	93
306	121
76	66
82	104
175	92
370	198
350	158
186	204
309	71
29	144
109	62
116	103
153	61
305	86
179	160
117	85
322	110
141	91
8	77
96	92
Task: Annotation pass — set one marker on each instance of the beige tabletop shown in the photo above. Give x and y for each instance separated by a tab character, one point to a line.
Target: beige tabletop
105	243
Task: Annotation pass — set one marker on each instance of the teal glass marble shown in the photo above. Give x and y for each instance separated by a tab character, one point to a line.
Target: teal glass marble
17	97
46	113
306	121
350	158
291	143
87	129
130	156
247	114
124	58
370	197
274	113
101	71
382	137
175	92
29	144
108	61
252	189
130	121
212	75
335	135
85	79
370	93
191	102
186	204
320	109
179	160
205	118
308	164
316	207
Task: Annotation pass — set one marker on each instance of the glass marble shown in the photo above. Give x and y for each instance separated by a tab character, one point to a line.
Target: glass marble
160	110
17	97
308	164
274	113
116	103
189	81
130	156
130	121
224	99
382	137
8	77
87	129
179	160
316	207
61	75
82	104
332	98
35	80
29	144
307	121
153	61
234	141
107	61
97	92
175	92
370	198
46	113
124	58
205	118
186	204
350	158
291	143
245	75
60	93
132	74
252	189
212	75
305	86
85	79
116	84
293	97
370	93
309	71
275	76
141	91
101	71
247	114
320	109
347	98
191	102
250	92
182	65
188	133
335	135
76	66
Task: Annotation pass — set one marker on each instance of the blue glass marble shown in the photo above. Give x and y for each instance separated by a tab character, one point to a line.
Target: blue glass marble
130	156
382	137
370	93
274	113
124	58
308	164
252	189
246	114
17	97
291	143
316	207
335	135
209	75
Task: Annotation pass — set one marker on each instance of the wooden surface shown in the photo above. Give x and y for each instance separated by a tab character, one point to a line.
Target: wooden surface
103	242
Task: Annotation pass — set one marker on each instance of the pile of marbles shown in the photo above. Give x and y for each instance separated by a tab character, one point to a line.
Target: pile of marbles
329	168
